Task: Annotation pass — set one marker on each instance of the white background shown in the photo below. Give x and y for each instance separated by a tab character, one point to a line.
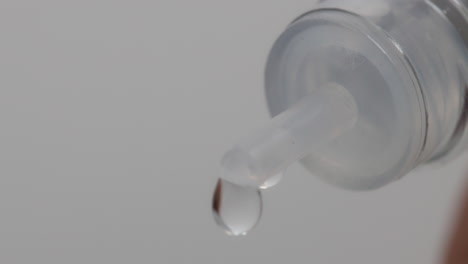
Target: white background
114	115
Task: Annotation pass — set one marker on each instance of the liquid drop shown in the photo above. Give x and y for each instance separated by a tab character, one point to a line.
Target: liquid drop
236	209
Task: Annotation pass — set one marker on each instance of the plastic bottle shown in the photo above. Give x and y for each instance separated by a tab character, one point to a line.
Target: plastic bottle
362	92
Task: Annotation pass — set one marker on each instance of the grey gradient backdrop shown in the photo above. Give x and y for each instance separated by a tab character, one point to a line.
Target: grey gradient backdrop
113	118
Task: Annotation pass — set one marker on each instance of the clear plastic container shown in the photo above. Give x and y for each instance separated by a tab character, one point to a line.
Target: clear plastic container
362	92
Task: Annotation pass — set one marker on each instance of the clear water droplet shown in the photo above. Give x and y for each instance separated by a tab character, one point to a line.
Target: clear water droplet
272	181
236	209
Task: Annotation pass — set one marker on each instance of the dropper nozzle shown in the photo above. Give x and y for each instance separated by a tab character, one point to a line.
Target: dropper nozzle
310	124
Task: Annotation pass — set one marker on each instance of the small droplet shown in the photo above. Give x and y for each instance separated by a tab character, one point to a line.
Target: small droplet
236	209
272	181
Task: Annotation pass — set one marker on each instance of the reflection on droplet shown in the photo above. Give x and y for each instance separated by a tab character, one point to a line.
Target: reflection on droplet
236	209
272	181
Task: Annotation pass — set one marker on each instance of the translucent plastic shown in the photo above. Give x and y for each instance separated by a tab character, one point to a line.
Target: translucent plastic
405	64
310	124
398	72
